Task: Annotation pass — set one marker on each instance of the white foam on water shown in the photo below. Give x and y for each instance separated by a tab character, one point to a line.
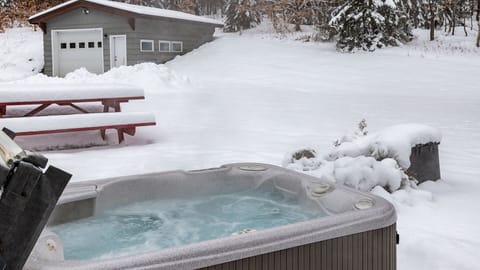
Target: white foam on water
158	224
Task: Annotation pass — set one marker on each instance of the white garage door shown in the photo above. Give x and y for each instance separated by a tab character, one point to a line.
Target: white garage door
74	49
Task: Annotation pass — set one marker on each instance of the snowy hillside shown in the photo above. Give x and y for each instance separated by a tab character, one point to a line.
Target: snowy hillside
256	97
21	53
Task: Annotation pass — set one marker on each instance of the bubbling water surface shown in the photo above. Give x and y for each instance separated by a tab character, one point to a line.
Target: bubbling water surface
158	224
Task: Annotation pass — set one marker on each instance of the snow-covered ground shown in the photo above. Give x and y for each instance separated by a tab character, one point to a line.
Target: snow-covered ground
20	53
256	97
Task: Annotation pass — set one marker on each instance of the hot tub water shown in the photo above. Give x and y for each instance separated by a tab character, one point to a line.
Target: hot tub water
152	225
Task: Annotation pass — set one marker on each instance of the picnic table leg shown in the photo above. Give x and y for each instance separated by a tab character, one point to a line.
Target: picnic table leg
37	110
111	104
121	136
3	110
117	106
102	133
105	106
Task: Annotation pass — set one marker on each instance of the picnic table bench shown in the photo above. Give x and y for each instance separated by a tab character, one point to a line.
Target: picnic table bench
109	95
123	122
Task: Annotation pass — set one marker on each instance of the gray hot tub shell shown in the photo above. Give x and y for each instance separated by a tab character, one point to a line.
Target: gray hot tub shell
357	233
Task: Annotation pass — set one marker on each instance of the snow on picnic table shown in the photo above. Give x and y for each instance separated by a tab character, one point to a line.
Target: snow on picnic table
255	98
75	121
29	92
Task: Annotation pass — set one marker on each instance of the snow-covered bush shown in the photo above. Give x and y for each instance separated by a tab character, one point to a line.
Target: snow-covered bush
360	132
241	14
304	160
365	173
369	25
365	161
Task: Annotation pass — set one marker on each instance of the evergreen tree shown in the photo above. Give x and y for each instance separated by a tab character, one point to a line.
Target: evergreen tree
241	14
369	25
413	9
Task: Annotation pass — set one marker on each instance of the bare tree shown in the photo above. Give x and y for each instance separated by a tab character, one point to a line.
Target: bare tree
432	11
478	35
478	10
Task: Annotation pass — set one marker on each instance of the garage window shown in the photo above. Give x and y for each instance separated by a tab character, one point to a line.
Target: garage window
81	45
164	46
63	45
91	44
72	45
99	44
177	46
146	45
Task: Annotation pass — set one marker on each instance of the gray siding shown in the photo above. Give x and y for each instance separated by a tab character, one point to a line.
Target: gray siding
191	34
371	250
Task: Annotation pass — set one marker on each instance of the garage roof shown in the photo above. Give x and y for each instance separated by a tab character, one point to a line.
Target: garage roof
127	10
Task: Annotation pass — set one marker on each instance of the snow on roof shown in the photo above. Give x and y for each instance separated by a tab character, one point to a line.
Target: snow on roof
141	10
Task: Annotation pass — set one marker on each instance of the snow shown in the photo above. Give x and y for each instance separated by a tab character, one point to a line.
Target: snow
27	92
148	76
395	142
380	3
140	10
365	173
74	121
366	162
21	55
253	97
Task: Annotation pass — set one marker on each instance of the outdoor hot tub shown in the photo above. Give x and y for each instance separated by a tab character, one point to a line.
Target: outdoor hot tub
237	216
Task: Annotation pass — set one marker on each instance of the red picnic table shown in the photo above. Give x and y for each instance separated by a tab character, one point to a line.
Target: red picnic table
110	96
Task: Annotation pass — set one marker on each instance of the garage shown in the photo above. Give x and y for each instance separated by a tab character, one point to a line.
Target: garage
73	49
102	35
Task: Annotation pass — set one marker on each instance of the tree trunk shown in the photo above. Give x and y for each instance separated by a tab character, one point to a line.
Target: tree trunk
453	22
432	28
478	35
478	10
432	20
297	27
